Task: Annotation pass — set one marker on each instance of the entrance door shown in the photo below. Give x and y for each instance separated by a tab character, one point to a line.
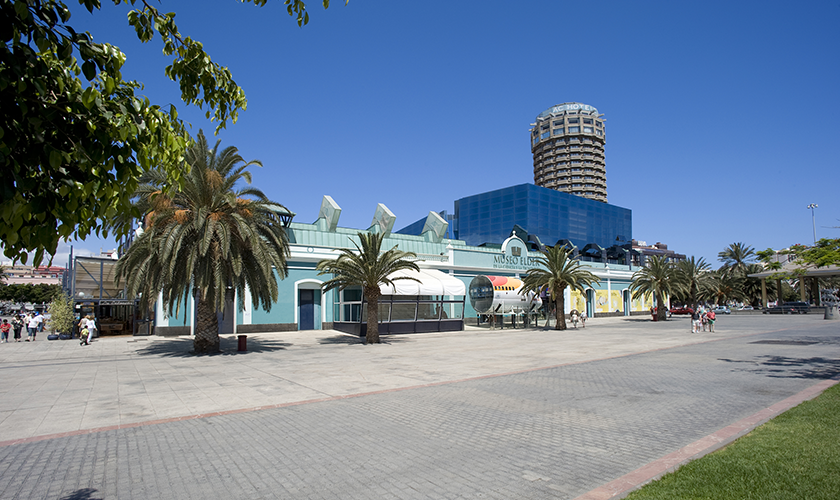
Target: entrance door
225	319
306	309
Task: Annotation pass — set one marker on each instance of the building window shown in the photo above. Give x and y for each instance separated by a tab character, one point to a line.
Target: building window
574	129
587	121
599	132
587	129
599	124
544	127
558	131
558	124
574	120
544	135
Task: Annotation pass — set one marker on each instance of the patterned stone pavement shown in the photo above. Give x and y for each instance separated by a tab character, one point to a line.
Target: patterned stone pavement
555	432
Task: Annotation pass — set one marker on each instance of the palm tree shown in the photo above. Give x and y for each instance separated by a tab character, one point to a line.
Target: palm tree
556	273
367	267
207	238
658	278
736	257
691	274
723	286
751	287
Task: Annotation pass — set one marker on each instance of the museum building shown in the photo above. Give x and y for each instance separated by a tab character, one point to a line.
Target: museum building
437	302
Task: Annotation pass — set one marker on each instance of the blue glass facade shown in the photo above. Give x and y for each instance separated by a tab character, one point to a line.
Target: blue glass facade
549	214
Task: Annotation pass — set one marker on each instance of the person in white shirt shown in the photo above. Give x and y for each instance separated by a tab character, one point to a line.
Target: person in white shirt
91	326
32	327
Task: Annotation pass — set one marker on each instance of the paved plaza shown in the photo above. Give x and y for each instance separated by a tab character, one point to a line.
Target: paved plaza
506	414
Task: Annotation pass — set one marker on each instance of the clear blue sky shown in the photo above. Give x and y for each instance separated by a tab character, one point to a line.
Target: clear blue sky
722	117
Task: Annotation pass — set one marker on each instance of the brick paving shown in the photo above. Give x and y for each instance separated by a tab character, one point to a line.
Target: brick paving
555	432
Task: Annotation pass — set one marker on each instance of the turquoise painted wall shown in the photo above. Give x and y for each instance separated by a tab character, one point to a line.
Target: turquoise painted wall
283	311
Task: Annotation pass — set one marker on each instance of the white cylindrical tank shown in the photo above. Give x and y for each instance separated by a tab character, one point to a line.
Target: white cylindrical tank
500	294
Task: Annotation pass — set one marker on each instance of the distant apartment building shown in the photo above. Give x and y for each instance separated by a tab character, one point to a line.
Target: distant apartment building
21	275
567	143
643	251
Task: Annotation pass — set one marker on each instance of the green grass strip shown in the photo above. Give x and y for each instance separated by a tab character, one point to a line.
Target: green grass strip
795	456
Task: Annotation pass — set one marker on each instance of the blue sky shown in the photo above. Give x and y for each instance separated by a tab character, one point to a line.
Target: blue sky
722	117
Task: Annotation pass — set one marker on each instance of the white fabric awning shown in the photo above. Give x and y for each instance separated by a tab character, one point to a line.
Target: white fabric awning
432	282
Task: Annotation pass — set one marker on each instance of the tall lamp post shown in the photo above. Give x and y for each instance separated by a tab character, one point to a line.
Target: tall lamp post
812	206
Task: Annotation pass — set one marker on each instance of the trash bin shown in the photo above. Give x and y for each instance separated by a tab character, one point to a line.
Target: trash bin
243	345
831	312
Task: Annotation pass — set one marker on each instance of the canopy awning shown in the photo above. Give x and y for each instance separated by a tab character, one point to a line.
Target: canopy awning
432	282
789	269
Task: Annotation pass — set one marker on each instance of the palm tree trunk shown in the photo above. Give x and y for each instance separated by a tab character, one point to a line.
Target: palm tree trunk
372	298
206	328
660	307
560	312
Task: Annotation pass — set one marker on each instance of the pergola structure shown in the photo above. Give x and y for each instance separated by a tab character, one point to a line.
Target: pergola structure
800	271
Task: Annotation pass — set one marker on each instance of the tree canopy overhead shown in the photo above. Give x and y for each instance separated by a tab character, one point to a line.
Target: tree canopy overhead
75	136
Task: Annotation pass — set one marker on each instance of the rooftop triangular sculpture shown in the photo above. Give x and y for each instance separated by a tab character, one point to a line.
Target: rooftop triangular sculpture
435	227
383	220
329	214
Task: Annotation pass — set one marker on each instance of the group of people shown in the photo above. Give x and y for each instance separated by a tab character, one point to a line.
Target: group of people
702	318
576	316
87	329
33	322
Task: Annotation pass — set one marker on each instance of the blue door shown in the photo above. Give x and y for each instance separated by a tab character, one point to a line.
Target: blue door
307	309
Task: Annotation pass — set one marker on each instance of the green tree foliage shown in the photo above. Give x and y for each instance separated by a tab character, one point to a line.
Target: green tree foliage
209	239
736	257
367	267
766	257
825	253
691	276
751	287
658	278
22	293
556	272
61	313
722	286
75	136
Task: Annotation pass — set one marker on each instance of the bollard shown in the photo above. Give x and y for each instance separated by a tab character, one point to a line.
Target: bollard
243	346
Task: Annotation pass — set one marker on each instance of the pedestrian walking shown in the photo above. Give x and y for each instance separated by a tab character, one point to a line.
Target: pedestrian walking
695	322
710	317
4	331
575	317
91	326
17	326
31	327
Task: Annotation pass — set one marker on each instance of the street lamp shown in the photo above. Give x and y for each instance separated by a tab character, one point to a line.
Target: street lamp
812	206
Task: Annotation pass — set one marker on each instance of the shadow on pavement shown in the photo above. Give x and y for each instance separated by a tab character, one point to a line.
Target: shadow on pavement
183	347
785	367
83	494
351	340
